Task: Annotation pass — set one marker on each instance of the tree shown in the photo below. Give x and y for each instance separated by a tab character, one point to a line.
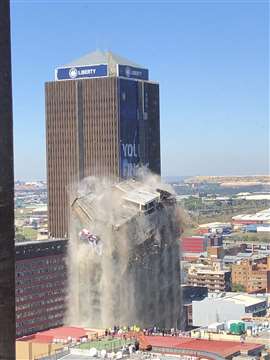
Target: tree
238	288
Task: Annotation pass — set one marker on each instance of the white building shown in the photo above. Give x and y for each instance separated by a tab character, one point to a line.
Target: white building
225	307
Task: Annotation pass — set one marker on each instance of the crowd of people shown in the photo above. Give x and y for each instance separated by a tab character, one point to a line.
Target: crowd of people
151	331
162	331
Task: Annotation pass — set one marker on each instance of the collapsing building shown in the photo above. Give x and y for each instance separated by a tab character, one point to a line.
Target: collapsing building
124	263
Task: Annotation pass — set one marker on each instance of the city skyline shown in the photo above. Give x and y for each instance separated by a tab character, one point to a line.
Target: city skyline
210	59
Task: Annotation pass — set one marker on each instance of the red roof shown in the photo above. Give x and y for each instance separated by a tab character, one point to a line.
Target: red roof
63	333
223	348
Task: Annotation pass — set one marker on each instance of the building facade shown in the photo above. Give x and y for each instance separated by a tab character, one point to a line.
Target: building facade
212	276
252	275
102	119
199	244
40	281
227	307
189	294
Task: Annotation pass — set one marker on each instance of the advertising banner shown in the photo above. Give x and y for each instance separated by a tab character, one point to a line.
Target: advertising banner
129	128
80	72
132	72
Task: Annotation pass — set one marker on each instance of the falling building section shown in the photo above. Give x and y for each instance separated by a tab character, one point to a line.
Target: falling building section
124	255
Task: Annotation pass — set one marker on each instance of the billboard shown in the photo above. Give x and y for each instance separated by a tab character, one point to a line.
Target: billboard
132	72
81	72
129	128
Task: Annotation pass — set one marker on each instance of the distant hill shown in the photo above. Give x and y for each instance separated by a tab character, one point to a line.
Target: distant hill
230	181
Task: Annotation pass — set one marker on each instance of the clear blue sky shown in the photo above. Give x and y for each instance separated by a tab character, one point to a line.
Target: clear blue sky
210	57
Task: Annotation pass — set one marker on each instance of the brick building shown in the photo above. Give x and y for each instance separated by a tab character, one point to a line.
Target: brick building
213	276
252	274
215	252
40	280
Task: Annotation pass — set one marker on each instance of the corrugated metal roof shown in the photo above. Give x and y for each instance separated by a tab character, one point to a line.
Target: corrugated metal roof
261	215
237	298
244	299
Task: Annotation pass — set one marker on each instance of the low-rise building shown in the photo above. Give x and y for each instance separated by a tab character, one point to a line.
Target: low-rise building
211	275
199	244
194	244
190	348
53	343
226	307
252	274
33	349
215	228
189	294
261	217
215	252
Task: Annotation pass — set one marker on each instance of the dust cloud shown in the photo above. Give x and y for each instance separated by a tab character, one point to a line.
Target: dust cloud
123	257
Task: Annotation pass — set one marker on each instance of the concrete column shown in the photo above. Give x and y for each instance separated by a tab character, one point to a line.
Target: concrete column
7	258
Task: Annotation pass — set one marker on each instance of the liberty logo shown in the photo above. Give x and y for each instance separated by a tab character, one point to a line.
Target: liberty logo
128	71
73	73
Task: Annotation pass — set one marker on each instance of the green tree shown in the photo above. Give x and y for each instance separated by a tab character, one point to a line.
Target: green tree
238	288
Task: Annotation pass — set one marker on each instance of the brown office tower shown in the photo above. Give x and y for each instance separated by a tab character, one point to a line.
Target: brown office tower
102	119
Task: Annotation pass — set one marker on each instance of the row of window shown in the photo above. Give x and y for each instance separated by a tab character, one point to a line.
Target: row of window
39	288
49	277
35	297
22	307
44	318
34	251
26	331
48	269
38	262
33	313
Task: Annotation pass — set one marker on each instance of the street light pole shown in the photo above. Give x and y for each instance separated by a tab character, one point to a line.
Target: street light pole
7	247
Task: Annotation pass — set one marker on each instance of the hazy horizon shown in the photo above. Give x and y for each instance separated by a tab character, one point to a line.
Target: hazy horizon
169	177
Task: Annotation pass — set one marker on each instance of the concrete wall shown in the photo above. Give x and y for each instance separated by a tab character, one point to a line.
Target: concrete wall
213	336
209	311
27	350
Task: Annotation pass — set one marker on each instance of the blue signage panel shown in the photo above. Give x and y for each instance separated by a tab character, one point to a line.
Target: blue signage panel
129	128
80	72
132	72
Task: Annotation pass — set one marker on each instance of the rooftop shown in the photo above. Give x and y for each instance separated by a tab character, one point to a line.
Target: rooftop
222	348
237	298
102	57
215	225
61	333
141	197
76	357
245	299
111	205
263	215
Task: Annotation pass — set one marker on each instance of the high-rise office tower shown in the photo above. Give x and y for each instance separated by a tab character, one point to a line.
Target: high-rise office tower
102	119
